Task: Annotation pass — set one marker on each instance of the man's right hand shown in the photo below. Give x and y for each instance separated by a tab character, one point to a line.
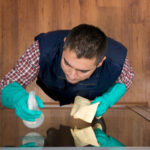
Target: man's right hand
109	98
15	96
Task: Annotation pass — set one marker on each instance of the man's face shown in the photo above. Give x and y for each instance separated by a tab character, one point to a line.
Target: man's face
76	69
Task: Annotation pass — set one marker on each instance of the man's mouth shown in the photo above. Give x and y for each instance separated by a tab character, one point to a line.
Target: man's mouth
70	80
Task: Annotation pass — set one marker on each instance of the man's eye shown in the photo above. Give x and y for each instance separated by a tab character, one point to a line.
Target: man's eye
83	71
66	62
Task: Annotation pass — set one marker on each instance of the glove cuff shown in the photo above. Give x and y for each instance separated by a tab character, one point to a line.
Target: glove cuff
11	94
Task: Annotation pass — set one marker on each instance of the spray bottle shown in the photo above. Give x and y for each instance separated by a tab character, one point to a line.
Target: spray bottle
32	105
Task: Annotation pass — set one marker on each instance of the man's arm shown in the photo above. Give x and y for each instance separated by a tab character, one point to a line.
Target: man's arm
127	74
26	69
13	94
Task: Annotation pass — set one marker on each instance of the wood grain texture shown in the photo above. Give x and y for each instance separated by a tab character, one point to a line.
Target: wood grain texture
127	21
144	112
128	127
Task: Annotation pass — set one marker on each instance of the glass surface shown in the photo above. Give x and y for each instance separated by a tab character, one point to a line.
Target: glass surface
122	124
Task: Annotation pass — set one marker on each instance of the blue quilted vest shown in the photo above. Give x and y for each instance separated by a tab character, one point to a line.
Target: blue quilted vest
52	79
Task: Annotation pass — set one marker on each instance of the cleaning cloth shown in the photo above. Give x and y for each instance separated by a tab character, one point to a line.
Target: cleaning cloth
82	109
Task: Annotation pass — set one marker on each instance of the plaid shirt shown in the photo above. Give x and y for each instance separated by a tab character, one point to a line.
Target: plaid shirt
27	69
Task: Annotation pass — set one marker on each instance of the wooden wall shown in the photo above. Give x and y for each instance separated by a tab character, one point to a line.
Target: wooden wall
127	21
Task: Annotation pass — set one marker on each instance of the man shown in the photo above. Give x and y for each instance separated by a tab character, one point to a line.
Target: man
82	62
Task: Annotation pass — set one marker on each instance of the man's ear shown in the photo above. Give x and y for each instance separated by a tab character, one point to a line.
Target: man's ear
101	62
64	39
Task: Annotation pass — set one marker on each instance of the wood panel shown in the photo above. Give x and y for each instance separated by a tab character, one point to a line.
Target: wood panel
144	112
127	21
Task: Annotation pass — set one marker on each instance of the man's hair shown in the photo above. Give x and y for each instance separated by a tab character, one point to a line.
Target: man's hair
87	41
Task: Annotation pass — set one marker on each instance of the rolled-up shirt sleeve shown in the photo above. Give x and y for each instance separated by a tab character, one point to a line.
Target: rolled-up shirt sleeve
26	68
126	75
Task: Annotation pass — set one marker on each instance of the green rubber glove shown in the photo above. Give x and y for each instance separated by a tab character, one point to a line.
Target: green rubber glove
15	96
106	141
31	144
109	98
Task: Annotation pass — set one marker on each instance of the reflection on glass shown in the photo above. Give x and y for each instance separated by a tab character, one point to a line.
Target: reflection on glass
60	137
66	136
32	139
91	136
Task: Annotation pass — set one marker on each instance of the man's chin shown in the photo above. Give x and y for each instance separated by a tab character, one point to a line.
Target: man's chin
72	81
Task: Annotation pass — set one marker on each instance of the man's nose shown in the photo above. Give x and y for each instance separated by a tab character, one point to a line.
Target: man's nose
72	74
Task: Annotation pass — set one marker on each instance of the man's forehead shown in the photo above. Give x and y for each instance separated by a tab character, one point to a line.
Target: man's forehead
78	63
